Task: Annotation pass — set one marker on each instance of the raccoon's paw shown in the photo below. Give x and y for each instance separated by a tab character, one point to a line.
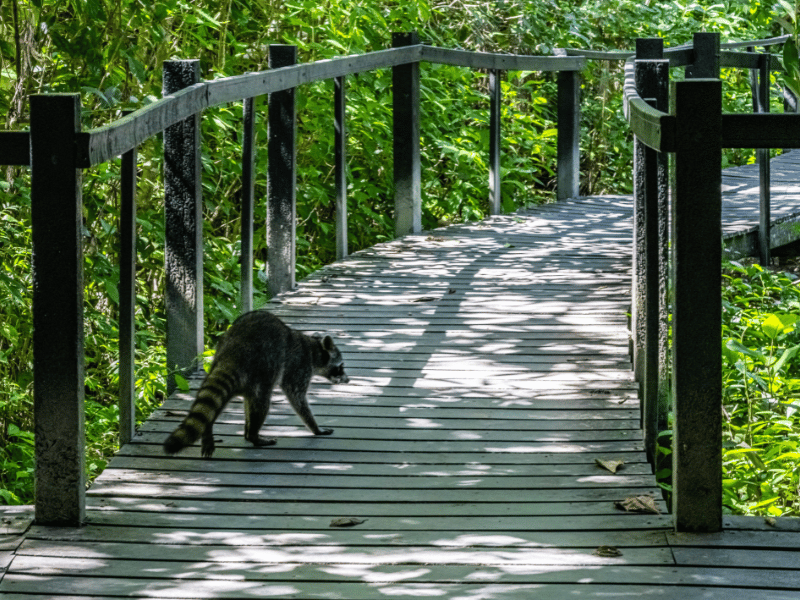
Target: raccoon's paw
207	446
260	442
324	431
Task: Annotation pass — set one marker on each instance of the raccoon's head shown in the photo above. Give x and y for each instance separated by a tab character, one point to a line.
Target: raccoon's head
333	368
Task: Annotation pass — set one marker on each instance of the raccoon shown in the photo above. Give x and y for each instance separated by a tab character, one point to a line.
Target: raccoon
256	353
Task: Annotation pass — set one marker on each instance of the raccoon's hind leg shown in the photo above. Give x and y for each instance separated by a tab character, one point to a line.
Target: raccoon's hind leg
256	408
207	444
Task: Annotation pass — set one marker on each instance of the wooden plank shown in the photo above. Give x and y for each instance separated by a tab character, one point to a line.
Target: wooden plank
203	580
289	450
229	433
87	536
143	508
374	555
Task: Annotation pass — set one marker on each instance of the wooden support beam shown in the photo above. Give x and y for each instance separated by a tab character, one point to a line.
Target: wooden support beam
406	112
569	130
183	224
281	179
58	339
650	246
340	168
495	108
248	188
697	306
127	298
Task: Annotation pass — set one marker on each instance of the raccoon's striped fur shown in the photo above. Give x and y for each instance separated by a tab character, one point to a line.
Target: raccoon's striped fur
258	352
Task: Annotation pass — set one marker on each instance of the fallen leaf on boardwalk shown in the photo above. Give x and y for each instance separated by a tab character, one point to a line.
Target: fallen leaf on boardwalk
609	465
771	521
176	413
425	299
607	551
643	504
346	522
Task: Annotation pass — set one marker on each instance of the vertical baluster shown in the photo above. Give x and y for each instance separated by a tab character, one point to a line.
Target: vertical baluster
340	151
495	108
127	298
58	339
248	162
406	113
183	229
281	178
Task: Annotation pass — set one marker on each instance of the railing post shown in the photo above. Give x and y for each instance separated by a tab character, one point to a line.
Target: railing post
58	362
706	56
183	224
650	244
406	111
759	82
127	298
569	133
495	108
340	152
281	178
248	180
697	311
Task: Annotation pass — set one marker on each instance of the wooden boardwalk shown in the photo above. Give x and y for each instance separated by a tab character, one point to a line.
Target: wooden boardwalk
740	199
489	372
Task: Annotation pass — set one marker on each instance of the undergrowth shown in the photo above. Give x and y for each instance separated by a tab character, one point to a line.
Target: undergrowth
761	391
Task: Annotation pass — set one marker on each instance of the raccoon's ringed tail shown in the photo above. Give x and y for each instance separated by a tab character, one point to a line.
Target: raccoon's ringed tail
211	399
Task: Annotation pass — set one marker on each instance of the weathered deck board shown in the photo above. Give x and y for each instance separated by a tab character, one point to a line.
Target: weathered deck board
489	372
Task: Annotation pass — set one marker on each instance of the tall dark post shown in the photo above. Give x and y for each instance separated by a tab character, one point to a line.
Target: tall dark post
58	363
340	151
569	133
405	104
759	81
248	178
183	224
697	308
127	298
495	108
650	218
281	178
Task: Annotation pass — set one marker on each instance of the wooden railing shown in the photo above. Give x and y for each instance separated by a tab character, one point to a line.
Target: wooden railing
57	151
686	121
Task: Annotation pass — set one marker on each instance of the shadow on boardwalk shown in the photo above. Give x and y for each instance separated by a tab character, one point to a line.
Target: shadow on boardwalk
489	370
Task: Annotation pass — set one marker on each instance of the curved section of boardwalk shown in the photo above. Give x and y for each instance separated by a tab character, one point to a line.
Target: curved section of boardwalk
489	372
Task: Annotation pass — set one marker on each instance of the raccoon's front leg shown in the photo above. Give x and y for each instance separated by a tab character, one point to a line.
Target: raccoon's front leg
256	409
297	398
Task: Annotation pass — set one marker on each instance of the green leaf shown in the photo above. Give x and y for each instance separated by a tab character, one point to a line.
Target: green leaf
181	382
788	354
777	325
737	346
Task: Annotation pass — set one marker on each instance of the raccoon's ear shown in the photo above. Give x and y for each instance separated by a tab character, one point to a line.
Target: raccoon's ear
328	344
316	336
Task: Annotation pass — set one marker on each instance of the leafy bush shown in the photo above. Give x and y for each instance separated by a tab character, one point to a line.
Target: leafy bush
761	383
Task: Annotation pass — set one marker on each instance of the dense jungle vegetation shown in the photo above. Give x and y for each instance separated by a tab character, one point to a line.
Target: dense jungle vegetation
111	53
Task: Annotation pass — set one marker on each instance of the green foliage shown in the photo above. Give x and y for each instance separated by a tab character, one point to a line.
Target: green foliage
111	52
761	383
